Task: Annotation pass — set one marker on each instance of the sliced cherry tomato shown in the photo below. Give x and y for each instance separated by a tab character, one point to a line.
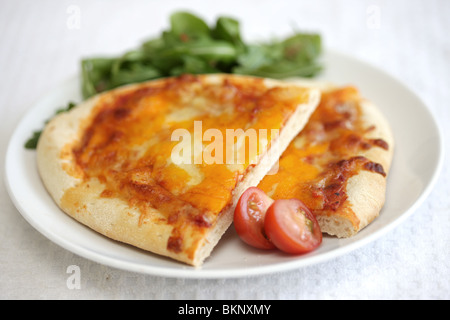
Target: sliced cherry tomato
291	227
249	218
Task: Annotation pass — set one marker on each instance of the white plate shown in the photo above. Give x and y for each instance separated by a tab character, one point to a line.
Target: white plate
417	161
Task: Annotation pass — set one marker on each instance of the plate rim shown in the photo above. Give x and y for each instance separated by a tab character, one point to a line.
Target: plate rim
190	272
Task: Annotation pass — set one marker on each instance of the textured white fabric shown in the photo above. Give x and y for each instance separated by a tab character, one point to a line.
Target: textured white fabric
41	43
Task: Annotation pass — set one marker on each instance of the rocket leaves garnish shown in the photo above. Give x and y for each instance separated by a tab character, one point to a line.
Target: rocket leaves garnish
191	46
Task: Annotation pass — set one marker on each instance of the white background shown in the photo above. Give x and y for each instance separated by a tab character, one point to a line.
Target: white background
41	43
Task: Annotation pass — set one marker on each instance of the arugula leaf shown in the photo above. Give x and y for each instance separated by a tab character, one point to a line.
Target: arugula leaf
185	23
212	50
96	75
191	46
256	56
32	142
302	48
295	56
130	68
228	29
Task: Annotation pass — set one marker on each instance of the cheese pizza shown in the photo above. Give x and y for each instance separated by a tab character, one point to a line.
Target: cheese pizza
338	165
114	164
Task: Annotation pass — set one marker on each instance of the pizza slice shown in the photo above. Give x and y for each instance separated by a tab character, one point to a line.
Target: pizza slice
159	165
338	165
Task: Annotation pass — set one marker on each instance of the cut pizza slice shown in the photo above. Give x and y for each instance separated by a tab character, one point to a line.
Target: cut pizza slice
161	165
338	164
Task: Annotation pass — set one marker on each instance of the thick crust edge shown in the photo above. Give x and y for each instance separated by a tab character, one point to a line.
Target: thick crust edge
367	190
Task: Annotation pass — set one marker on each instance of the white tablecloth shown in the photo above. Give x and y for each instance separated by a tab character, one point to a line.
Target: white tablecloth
41	43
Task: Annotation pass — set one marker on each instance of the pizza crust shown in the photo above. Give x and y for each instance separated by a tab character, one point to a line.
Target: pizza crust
113	217
367	190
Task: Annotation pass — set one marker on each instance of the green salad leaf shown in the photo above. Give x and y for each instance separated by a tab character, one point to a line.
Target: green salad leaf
185	23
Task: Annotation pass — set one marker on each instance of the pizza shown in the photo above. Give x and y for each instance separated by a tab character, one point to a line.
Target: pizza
338	164
144	165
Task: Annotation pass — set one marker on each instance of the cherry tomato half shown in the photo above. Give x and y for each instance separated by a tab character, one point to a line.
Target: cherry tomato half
249	218
291	227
